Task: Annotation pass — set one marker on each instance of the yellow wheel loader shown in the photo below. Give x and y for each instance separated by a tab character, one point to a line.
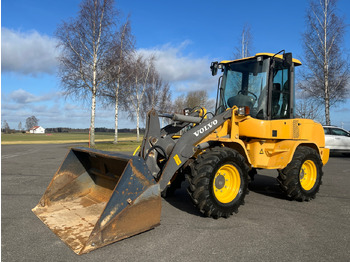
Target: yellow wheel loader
96	198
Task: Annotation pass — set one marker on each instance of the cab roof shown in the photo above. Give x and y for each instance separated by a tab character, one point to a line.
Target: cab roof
295	61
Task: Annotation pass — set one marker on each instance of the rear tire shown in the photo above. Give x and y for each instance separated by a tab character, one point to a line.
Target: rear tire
218	182
302	178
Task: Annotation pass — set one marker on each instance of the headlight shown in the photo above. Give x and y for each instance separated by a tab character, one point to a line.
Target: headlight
243	111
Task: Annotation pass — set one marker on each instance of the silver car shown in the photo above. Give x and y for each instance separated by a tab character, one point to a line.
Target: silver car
337	139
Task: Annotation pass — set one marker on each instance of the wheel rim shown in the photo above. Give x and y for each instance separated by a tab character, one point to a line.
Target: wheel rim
308	175
226	183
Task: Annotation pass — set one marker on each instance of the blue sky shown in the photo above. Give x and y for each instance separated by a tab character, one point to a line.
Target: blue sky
185	36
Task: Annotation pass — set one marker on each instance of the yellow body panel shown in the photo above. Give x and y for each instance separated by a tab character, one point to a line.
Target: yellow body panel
300	129
270	144
295	61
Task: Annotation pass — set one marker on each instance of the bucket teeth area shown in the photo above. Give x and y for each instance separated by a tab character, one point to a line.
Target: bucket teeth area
72	221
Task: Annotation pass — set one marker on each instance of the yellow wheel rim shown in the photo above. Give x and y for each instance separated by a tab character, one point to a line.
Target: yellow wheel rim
226	183
308	175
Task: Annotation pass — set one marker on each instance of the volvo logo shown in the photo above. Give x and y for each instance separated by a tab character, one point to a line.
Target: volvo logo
206	127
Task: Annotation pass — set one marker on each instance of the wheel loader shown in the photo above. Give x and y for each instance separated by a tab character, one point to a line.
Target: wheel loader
97	198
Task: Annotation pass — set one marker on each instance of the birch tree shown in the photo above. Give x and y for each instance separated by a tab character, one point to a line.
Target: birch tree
157	95
245	43
118	69
141	69
307	107
85	43
327	73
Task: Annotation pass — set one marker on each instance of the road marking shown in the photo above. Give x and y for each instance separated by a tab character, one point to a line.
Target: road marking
59	141
19	154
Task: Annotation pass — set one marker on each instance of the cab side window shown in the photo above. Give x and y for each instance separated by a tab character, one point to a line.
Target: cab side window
280	95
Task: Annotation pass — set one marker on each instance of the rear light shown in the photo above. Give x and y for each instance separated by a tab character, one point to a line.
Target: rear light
243	111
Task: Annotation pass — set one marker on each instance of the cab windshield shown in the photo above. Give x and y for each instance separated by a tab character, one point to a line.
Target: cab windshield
245	84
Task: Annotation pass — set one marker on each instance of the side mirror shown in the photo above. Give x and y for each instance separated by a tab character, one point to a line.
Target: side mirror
287	59
214	68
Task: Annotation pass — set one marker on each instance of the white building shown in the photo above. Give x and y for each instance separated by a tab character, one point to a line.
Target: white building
37	130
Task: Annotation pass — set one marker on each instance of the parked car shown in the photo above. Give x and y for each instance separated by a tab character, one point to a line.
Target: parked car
337	139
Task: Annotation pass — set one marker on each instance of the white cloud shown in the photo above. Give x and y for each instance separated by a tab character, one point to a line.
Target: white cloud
21	96
28	53
52	110
184	72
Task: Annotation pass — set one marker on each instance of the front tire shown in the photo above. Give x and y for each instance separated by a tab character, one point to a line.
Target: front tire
170	189
218	182
302	178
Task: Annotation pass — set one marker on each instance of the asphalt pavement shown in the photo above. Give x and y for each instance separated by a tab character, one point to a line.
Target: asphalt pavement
267	228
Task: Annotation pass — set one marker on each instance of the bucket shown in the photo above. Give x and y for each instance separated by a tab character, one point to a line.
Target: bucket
97	198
